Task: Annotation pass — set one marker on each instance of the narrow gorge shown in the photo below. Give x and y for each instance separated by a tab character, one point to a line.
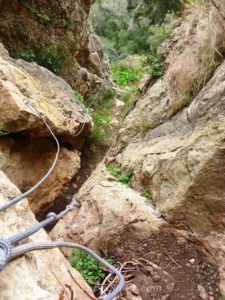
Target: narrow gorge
134	91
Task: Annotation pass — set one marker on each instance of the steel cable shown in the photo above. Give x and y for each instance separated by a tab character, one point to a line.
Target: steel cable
43	179
20	250
7	252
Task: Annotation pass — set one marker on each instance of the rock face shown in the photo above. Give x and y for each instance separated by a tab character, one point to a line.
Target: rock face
55	29
31	158
180	161
27	157
31	276
23	84
109	211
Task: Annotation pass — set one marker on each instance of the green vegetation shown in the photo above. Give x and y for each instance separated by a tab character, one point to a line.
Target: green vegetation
122	75
155	10
147	194
78	96
222	298
101	117
37	14
28	55
50	57
88	267
123	177
122	147
128	27
68	24
156	68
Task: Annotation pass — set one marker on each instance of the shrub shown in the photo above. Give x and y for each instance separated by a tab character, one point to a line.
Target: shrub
68	24
122	177
112	23
51	57
114	171
147	194
125	178
88	267
101	117
78	96
122	147
156	67
37	14
123	75
28	55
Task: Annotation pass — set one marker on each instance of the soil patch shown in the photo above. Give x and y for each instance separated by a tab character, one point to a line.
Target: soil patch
172	269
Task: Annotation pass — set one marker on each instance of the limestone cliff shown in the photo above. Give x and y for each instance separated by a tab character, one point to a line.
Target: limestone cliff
173	144
59	29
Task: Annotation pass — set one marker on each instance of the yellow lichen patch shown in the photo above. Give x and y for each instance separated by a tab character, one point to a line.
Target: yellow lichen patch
26	83
50	110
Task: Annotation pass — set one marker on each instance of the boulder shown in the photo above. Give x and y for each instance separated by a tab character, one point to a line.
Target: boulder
25	161
28	93
109	211
31	276
24	85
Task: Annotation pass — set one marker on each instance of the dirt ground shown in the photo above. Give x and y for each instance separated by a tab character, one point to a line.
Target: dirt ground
171	269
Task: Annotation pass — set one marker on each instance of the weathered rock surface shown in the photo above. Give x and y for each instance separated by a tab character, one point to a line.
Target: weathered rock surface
26	157
109	211
60	24
31	276
182	163
25	161
24	84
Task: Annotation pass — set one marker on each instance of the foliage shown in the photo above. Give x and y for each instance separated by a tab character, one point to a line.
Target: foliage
88	267
157	54
126	177
123	75
68	24
28	55
156	67
114	171
51	57
119	24
101	117
123	177
157	10
37	14
122	147
147	194
78	96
